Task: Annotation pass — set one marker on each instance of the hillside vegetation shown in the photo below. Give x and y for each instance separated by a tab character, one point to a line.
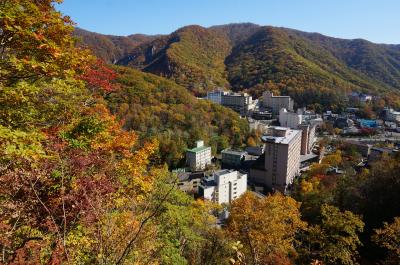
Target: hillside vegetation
76	188
280	60
313	68
156	107
192	56
110	48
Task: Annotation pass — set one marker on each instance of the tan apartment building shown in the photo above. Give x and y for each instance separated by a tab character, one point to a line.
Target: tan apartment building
307	138
276	103
280	163
239	102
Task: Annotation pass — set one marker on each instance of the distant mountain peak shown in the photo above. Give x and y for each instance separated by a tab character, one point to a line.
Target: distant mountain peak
253	57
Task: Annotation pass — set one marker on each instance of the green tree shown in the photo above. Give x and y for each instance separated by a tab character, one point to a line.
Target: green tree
335	239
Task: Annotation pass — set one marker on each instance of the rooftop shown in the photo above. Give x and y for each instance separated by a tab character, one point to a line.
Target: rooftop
273	96
237	94
280	96
234	152
198	149
188	176
280	128
211	180
289	136
217	91
307	157
224	171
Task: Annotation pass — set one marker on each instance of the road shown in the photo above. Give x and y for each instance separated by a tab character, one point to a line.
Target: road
389	136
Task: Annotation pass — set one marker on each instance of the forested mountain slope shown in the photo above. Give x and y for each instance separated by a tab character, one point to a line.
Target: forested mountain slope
192	56
157	107
110	48
378	61
301	68
311	67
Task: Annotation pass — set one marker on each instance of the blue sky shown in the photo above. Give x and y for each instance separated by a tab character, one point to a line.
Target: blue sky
374	20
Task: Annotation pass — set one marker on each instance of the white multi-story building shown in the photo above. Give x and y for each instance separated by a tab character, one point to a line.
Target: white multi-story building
240	102
289	119
296	120
223	186
391	115
216	96
199	157
360	97
276	103
280	163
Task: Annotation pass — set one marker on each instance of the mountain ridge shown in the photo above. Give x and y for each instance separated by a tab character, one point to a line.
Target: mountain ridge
110	47
250	57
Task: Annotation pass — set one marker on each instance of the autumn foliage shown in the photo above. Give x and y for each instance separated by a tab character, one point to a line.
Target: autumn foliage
76	188
68	173
36	42
267	227
99	77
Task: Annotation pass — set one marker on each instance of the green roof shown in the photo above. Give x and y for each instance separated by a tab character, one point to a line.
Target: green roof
197	149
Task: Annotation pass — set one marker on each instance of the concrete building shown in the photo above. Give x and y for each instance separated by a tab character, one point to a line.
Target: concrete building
363	148
391	115
239	102
308	115
232	158
289	119
199	157
343	122
330	116
223	186
189	182
360	97
276	103
307	138
317	122
216	96
255	150
280	163
377	152
261	115
296	120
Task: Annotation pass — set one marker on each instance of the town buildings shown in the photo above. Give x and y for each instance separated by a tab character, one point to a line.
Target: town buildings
261	115
377	152
343	122
232	158
216	96
276	103
307	138
199	157
360	97
255	150
309	116
189	181
363	148
391	115
280	163
223	186
289	119
239	102
296	120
